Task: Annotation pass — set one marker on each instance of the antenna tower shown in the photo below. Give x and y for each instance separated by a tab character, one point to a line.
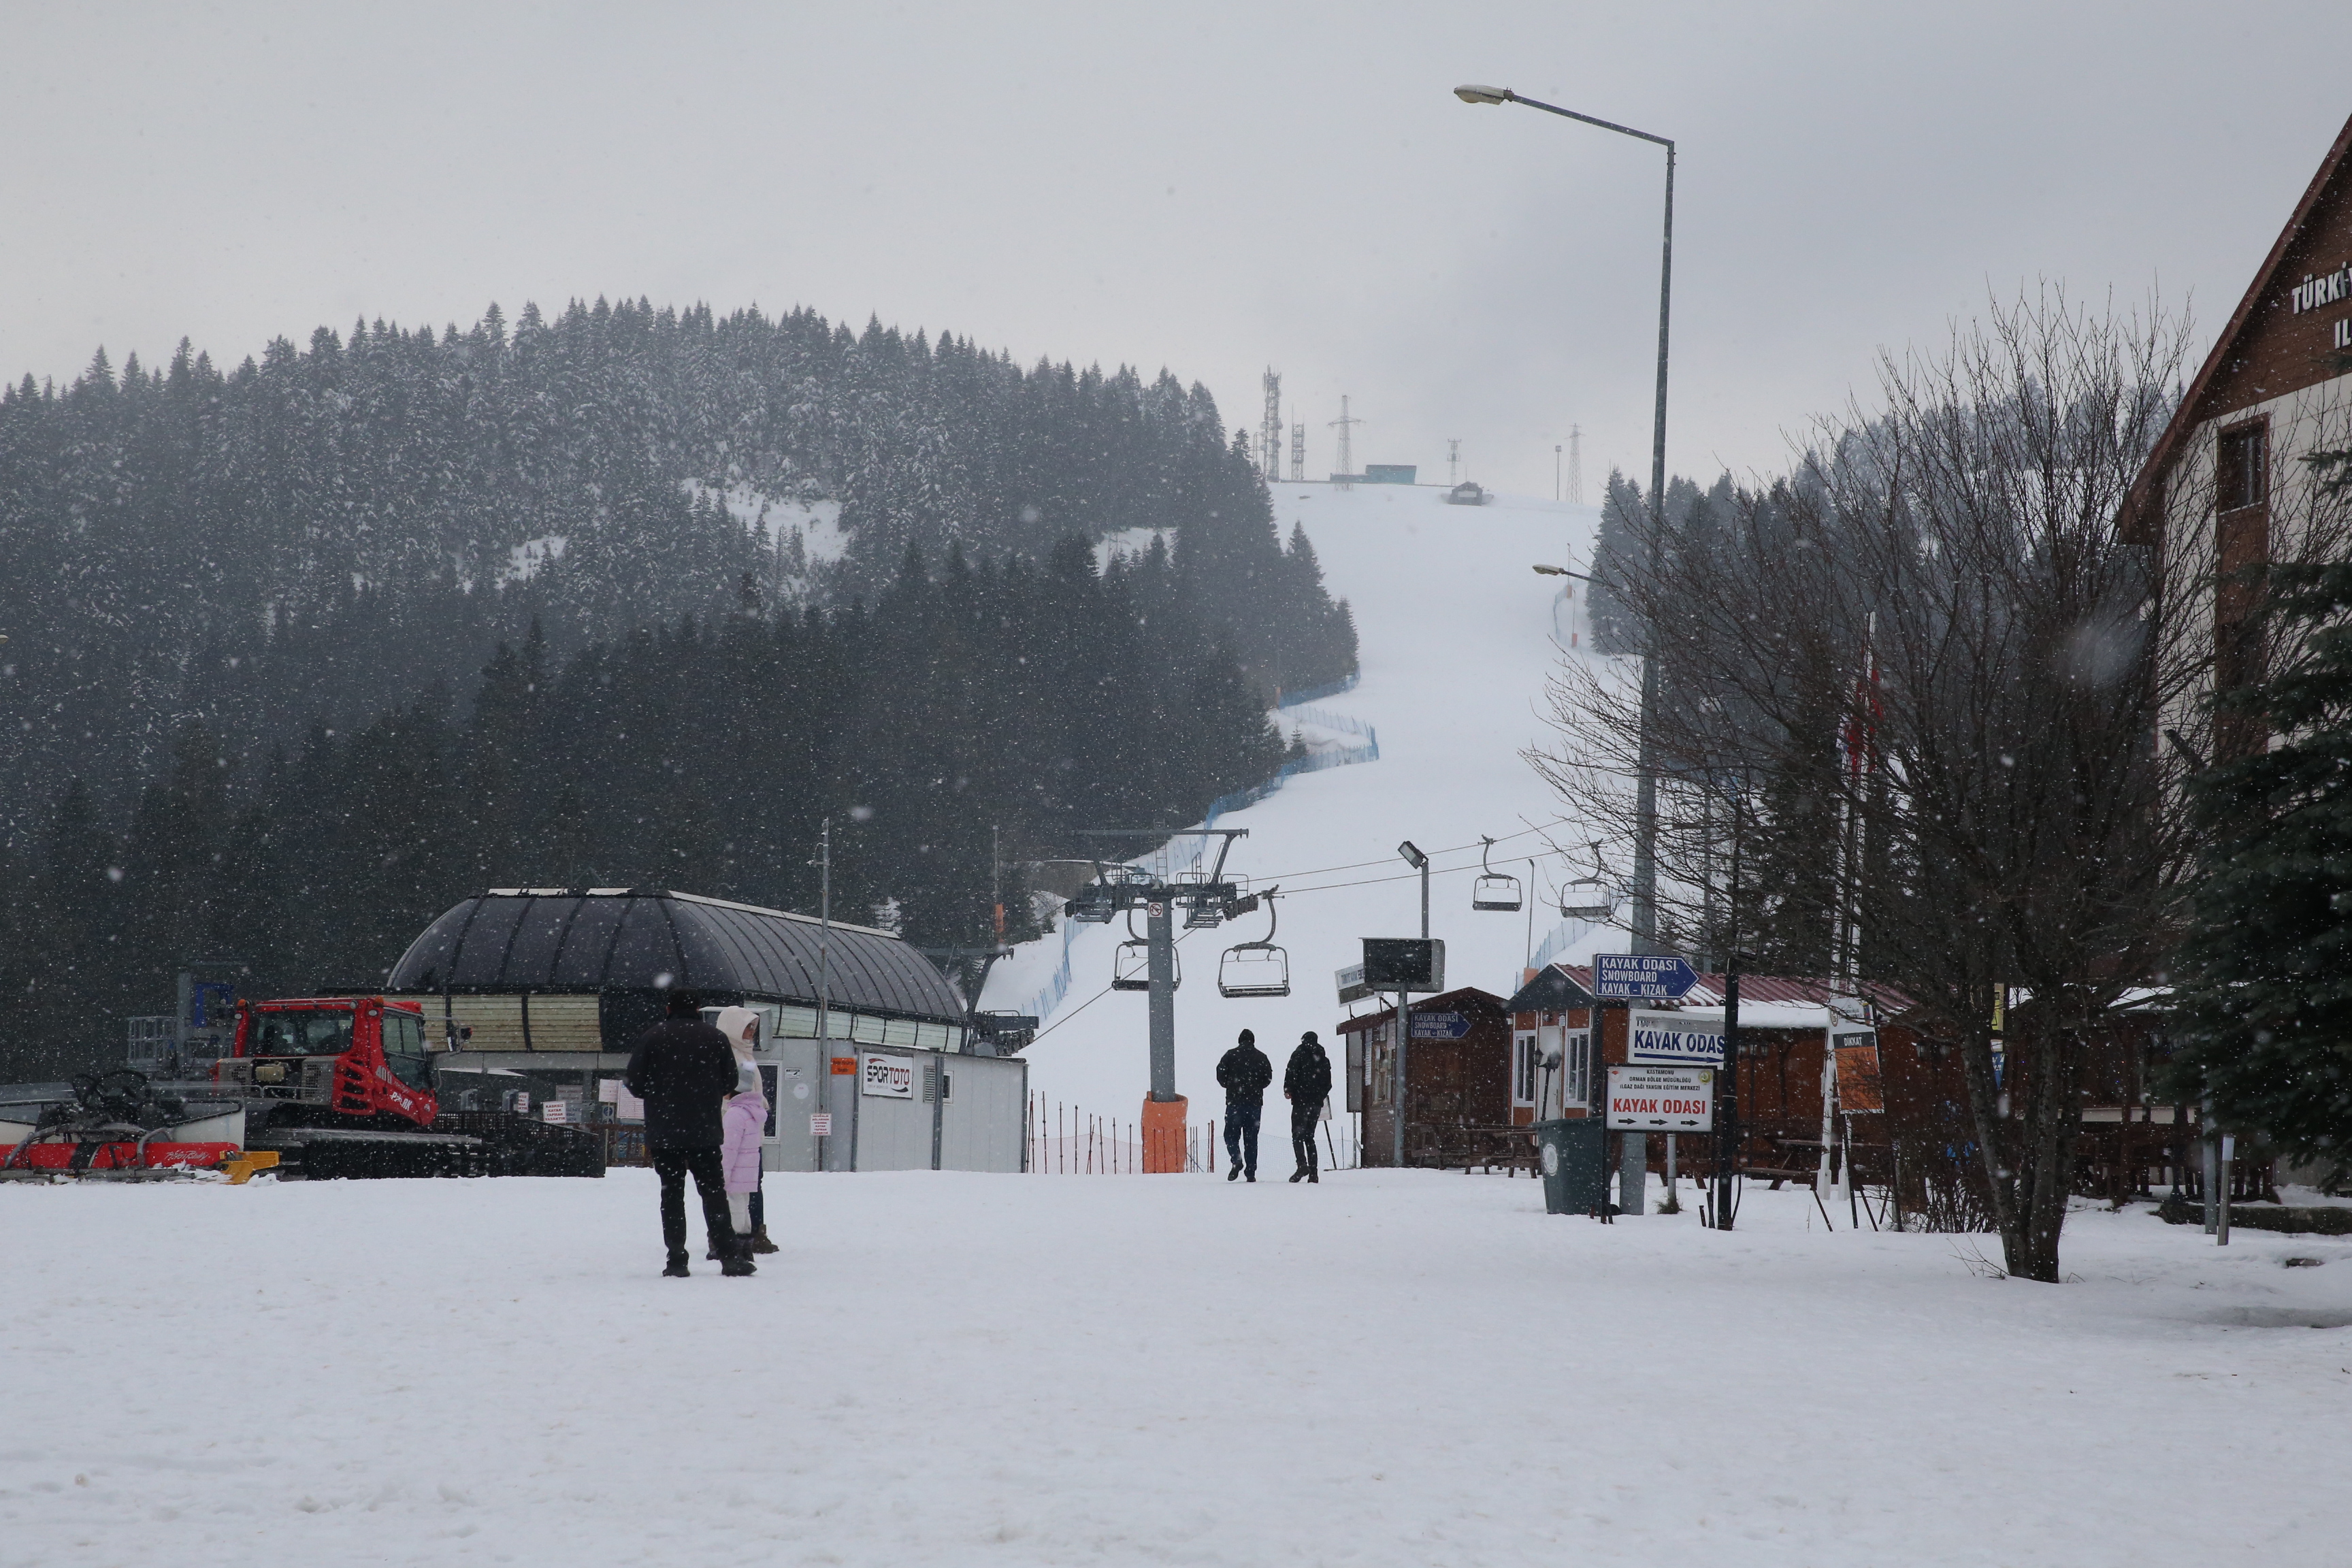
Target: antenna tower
1345	479
1453	456
1269	431
1297	453
1575	466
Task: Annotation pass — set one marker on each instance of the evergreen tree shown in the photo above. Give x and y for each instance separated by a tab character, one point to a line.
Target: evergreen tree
2262	986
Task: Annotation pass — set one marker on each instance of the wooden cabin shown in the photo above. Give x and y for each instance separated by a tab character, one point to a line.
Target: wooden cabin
1457	1089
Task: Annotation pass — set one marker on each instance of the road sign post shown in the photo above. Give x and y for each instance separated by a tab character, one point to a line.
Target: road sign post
1642	976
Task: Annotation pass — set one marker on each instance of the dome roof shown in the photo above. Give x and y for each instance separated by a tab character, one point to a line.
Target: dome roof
600	939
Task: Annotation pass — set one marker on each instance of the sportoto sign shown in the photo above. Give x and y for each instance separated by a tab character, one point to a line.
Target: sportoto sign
887	1077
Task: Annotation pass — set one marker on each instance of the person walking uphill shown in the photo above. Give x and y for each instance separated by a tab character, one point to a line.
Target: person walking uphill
1244	1072
683	1070
1307	1084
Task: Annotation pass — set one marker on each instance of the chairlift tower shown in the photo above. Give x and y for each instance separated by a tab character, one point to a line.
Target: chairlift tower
1117	889
1269	430
1345	478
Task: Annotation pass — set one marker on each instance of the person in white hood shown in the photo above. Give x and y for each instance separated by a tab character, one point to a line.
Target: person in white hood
745	1117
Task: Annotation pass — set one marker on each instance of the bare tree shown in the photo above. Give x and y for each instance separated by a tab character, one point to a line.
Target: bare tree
1930	666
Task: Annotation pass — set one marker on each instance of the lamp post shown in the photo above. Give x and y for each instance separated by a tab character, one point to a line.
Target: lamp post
1645	789
1414	856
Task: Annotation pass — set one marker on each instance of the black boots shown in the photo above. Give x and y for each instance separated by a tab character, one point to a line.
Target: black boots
1233	1173
760	1242
1299	1175
677	1269
739	1265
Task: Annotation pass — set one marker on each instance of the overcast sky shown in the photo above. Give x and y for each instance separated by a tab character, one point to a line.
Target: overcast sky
1212	187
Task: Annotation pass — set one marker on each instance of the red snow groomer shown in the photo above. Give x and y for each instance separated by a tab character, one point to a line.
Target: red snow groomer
314	1087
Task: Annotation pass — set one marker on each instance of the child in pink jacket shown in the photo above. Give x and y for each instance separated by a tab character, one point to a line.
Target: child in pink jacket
744	1117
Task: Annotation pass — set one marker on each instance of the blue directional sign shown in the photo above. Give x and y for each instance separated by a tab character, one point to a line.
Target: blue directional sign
1641	976
1440	1026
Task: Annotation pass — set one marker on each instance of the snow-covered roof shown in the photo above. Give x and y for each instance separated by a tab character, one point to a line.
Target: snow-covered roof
600	939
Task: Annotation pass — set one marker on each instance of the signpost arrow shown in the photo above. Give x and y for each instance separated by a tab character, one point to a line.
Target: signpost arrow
1644	978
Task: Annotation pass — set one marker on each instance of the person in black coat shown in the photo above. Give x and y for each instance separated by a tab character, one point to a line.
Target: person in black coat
1307	1084
1244	1072
683	1071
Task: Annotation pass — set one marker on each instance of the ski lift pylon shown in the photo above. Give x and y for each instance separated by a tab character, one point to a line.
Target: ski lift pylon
1494	890
1255	968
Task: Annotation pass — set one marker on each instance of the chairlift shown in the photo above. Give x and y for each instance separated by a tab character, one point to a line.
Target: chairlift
1255	968
1494	890
1588	898
1130	967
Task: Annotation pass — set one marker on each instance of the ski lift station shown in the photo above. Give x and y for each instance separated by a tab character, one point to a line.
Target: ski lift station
555	984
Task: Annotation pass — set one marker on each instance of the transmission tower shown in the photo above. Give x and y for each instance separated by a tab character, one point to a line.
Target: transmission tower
1345	478
1453	456
1575	466
1297	453
1269	430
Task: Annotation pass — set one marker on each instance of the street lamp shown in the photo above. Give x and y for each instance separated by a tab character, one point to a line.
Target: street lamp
1412	856
1645	796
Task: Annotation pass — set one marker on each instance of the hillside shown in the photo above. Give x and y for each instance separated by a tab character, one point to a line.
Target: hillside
1456	638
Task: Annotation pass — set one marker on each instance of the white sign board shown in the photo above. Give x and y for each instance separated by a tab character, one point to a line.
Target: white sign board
1661	1099
1674	1039
819	1123
887	1077
552	1110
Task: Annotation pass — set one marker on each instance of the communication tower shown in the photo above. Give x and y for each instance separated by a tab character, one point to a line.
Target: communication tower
1453	456
1575	466
1297	453
1269	430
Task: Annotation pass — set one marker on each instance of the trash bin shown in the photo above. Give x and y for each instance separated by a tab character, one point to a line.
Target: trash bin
1575	1159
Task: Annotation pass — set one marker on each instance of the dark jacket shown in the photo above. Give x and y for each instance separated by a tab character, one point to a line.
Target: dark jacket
1244	1072
1308	1078
683	1072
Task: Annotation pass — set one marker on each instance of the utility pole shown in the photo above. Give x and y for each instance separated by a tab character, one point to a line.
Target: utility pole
1346	473
1414	856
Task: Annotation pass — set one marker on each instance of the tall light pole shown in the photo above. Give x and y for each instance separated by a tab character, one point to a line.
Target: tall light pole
1645	789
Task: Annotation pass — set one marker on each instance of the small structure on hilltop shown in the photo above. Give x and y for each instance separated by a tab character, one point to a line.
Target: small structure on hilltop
1469	492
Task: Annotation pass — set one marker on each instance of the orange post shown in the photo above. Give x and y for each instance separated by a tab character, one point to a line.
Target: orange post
1163	1135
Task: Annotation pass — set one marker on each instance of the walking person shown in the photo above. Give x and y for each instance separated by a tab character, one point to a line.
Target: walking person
683	1072
746	1122
1244	1072
1307	1084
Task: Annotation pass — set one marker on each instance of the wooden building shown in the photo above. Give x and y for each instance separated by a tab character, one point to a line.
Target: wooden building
1457	1089
2227	487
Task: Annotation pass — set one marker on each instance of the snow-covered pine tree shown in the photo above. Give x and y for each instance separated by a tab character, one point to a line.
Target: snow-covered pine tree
2262	984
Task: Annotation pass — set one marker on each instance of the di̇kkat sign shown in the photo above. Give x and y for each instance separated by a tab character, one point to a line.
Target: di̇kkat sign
1661	1099
887	1077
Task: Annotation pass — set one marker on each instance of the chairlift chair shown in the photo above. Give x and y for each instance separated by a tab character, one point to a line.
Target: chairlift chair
1255	968
1587	898
1131	968
1494	890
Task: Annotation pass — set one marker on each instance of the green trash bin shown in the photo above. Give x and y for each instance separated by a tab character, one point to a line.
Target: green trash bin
1575	1159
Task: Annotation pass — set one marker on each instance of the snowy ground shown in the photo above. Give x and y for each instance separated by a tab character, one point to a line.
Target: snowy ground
1457	638
1393	1368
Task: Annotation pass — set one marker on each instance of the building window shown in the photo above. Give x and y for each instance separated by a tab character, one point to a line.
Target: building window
2243	468
1524	1056
1576	1085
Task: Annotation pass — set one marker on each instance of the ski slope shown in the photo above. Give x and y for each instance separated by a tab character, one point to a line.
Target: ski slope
1458	636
